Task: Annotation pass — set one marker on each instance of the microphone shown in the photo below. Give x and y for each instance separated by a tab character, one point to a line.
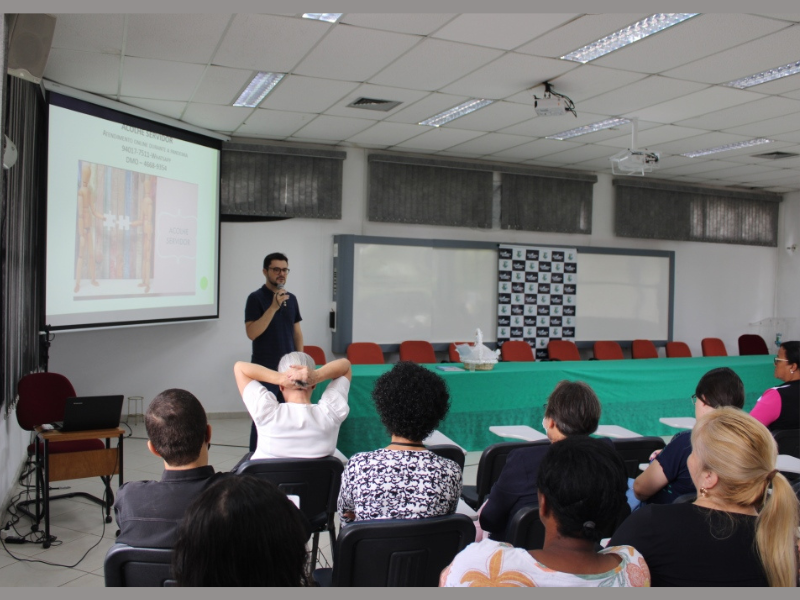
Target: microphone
280	287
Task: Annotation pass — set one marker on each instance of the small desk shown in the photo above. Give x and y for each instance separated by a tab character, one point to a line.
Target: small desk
438	438
615	431
678	422
518	432
76	465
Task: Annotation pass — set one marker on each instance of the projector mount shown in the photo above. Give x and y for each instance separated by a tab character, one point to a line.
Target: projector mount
634	161
553	104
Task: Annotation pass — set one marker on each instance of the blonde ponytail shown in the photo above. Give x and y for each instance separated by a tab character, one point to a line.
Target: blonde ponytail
776	533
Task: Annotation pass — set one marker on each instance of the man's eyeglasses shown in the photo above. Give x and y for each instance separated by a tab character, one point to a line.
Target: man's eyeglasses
776	360
695	400
277	270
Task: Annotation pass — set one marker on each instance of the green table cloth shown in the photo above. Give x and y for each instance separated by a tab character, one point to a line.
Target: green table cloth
633	394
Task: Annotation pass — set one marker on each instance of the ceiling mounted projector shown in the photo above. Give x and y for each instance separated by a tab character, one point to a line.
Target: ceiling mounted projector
553	104
634	161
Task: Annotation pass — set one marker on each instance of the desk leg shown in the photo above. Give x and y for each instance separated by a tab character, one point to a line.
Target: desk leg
46	495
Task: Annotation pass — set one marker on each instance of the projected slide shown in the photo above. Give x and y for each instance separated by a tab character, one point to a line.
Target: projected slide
132	220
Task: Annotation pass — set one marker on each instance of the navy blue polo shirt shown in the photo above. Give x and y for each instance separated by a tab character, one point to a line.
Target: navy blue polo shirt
278	337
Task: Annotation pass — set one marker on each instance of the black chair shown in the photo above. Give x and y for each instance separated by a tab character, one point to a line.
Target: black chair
454	453
315	480
490	466
126	566
525	529
788	441
683	499
637	450
396	552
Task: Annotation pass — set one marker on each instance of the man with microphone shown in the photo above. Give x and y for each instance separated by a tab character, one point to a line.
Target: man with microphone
272	321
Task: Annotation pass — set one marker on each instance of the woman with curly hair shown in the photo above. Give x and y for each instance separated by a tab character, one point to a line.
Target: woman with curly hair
404	480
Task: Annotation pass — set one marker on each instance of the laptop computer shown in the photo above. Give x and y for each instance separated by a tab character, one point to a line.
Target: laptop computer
91	412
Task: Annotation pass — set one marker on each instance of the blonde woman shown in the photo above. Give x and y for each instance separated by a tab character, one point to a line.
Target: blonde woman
741	529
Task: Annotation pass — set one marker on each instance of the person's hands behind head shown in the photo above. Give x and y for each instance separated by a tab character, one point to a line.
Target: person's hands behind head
300	377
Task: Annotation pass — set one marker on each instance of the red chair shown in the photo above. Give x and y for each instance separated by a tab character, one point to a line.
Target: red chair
562	350
43	399
365	353
516	351
317	353
643	349
420	352
607	351
453	353
713	347
751	344
678	350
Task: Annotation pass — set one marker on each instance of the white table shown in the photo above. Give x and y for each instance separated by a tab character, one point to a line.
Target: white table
615	431
788	463
465	509
437	438
518	432
678	422
643	466
338	454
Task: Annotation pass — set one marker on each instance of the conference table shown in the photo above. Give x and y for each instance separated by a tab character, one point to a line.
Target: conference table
634	394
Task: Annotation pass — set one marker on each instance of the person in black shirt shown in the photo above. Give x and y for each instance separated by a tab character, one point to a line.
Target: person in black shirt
741	529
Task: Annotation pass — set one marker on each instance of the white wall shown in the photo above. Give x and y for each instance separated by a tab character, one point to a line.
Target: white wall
788	269
720	289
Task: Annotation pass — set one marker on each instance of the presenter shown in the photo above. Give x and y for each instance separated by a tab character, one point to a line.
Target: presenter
272	321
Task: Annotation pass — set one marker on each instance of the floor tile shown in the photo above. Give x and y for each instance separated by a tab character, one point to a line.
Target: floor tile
87	580
32	574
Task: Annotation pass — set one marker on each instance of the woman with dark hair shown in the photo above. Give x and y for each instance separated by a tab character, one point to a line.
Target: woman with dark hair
581	490
242	531
572	409
779	407
667	476
404	480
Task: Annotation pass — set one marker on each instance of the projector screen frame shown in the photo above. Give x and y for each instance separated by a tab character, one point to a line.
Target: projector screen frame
124	115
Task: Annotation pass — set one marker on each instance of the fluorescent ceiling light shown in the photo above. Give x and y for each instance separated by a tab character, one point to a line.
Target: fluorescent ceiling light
726	147
628	35
258	89
455	112
327	17
599	126
765	76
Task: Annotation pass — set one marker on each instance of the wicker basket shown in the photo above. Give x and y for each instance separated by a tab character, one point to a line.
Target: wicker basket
483	366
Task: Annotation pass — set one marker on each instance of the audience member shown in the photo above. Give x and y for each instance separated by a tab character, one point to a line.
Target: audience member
297	428
148	512
741	529
581	490
242	531
779	407
572	409
667	477
403	480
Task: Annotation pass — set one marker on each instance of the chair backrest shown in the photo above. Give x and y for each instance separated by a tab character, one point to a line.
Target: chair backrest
365	353
417	351
678	350
453	353
516	351
42	398
562	350
317	353
315	480
126	566
454	453
635	451
643	349
399	552
751	344
713	347
491	463
788	441
525	529
607	351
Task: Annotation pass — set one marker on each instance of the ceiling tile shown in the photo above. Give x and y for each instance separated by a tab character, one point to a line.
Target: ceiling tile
159	79
89	33
697	165
545	126
354	53
268	42
275	124
167	108
438	139
433	64
493	117
536	149
88	71
771	106
222	85
581	83
216	118
700	36
581	153
795	94
189	38
691	105
490	143
419	24
387	134
578	33
768	127
306	94
768	52
332	128
706	141
640	94
377	92
505	31
650	138
738	172
429	106
510	74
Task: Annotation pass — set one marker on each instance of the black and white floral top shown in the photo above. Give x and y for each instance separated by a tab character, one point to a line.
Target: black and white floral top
399	484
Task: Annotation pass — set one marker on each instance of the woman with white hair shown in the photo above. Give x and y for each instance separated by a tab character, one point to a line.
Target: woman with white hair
296	428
